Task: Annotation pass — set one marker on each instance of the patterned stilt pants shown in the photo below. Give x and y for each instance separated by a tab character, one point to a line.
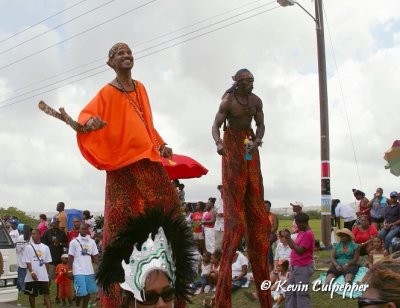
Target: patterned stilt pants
129	191
244	213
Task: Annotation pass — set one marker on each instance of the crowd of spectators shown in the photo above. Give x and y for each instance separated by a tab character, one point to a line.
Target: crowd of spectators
371	229
51	256
375	217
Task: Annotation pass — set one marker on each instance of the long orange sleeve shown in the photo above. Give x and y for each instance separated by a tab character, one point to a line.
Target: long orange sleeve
125	139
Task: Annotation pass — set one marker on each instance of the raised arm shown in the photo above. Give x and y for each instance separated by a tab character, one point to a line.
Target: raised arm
94	123
220	117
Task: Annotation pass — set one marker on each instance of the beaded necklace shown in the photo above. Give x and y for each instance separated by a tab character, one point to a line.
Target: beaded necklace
138	108
246	105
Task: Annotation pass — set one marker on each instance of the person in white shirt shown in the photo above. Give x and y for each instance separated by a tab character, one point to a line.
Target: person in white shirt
37	258
348	213
20	246
239	270
82	250
14	232
282	250
219	221
89	221
205	270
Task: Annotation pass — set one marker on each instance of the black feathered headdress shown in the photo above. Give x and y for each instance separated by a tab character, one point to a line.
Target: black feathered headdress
145	232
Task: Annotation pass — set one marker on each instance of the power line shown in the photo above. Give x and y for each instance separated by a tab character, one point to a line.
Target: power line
149	54
209	18
141	51
343	100
39	22
51	84
205	27
49	78
76	35
141	43
56	27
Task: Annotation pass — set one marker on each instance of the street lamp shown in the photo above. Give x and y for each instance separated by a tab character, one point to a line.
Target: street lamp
285	2
324	120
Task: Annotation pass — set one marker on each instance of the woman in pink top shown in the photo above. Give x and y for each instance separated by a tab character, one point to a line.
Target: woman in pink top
43	224
208	222
302	264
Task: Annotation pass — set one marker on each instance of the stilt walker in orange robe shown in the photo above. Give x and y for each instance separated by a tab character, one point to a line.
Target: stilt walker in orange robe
116	134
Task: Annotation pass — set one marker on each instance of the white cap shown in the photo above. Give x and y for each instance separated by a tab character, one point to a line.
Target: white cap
297	203
64	256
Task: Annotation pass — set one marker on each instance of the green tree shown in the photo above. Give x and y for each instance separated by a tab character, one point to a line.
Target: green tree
21	215
99	222
314	214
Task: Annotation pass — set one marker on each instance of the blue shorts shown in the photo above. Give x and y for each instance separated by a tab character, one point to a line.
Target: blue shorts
84	285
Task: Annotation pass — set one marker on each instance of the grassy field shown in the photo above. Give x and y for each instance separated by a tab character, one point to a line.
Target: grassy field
319	299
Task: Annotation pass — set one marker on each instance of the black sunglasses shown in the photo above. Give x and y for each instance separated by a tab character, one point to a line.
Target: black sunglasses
362	302
151	298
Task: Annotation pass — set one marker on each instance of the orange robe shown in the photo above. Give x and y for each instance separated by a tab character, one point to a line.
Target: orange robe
125	139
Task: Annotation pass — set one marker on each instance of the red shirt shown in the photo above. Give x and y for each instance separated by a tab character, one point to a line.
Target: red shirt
61	270
196	218
361	236
72	234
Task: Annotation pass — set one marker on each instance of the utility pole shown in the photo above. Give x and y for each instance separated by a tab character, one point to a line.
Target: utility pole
324	120
324	128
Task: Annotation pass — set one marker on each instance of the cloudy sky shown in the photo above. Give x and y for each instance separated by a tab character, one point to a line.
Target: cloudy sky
185	53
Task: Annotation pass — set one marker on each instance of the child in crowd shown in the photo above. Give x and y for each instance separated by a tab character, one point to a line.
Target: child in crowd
205	270
377	252
98	239
278	293
212	277
64	282
239	270
279	274
282	250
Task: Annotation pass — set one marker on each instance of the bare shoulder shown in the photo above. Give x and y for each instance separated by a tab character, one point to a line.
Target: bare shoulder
256	99
226	102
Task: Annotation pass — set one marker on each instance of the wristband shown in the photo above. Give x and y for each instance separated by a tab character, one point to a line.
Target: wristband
32	273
